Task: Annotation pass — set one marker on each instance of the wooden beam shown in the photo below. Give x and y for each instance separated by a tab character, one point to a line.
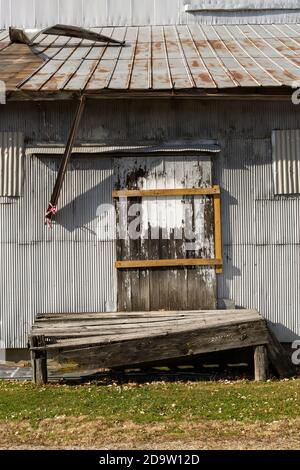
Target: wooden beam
164	263
214	191
260	363
139	317
166	192
107	328
38	359
41	317
166	345
218	231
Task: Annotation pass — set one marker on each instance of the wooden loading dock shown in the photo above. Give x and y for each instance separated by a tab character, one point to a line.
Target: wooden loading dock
112	340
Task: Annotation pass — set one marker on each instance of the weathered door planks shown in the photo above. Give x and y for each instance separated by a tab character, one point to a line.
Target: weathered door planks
178	288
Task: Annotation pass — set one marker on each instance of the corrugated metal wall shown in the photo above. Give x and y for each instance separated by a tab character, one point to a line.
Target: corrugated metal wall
261	236
286	161
89	13
66	269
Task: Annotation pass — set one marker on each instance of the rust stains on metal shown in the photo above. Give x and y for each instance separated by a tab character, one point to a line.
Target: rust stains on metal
233	47
160	58
204	77
195	63
237	76
17	62
217	45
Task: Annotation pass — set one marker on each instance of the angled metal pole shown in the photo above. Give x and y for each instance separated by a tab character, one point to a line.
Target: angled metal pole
52	207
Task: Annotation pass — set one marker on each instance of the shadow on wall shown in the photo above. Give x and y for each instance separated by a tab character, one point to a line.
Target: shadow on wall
230	271
84	208
81	214
250	217
286	335
83	172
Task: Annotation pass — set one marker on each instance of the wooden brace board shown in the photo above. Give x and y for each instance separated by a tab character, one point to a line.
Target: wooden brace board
217	261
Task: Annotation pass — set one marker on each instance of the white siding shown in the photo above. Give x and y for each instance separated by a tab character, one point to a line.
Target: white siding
91	13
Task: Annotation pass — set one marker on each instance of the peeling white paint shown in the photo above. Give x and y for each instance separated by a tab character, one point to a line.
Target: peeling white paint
170	214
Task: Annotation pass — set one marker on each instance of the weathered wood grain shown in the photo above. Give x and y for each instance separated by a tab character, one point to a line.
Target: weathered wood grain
120	331
158	271
206	318
260	363
143	350
38	355
164	263
138	314
134	338
166	192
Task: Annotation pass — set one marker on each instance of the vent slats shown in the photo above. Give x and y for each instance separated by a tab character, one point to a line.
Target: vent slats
286	161
11	164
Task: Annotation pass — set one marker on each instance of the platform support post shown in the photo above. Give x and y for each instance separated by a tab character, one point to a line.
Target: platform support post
38	360
260	363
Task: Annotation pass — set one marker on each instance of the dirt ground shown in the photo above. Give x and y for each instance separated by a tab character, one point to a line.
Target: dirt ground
72	433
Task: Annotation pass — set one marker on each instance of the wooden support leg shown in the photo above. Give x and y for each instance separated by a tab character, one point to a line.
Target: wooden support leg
38	360
260	363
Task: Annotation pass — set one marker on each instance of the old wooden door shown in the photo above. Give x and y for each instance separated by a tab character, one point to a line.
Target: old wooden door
165	228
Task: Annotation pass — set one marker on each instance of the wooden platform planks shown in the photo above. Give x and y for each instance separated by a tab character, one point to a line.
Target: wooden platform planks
151	314
138	348
146	325
109	327
109	340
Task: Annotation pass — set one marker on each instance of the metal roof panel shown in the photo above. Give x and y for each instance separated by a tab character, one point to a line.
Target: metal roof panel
168	57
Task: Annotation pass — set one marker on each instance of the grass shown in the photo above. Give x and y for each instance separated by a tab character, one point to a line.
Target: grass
173	409
151	403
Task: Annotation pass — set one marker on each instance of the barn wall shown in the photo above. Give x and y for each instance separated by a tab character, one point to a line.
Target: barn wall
63	270
89	13
261	243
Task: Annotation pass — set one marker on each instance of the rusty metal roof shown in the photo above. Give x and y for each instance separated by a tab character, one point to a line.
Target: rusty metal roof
17	61
165	58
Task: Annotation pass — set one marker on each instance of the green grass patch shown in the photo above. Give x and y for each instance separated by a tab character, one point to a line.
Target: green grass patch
153	403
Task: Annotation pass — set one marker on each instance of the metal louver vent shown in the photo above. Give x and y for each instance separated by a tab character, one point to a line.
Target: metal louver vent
11	163
286	161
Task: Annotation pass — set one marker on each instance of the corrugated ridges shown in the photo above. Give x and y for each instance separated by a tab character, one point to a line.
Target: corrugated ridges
11	163
67	269
286	161
179	57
